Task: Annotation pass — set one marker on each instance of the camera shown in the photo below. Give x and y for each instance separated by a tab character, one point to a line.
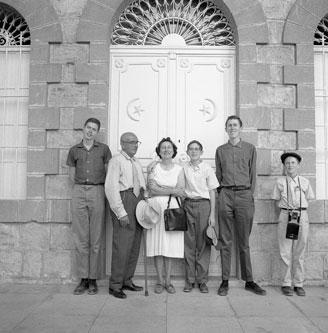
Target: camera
293	224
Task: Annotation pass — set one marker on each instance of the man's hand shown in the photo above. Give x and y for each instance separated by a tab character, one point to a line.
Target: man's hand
211	221
124	221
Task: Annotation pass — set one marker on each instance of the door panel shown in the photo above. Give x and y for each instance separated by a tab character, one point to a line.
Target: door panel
182	93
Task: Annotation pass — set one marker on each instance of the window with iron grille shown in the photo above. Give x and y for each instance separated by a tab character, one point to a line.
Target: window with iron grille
14	94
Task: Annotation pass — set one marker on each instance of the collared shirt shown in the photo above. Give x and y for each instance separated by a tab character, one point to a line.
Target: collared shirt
89	164
200	180
236	165
294	199
120	178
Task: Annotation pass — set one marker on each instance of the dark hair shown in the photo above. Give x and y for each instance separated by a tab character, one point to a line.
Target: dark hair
175	148
234	117
93	120
197	142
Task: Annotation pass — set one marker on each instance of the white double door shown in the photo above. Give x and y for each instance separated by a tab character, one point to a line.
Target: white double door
184	94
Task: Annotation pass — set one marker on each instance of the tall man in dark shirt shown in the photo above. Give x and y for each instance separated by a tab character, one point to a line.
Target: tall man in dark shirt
88	162
236	172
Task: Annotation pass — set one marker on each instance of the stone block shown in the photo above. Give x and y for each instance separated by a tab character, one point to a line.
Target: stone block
58	187
261	266
38	94
250	136
34	236
83	113
10	264
50	73
248	93
63	138
43	161
32	264
254	72
318	238
276	54
60	211
299	119
50	33
67	95
66	118
36	139
97	12
277	166
264	187
296	33
275	268
263	211
313	266
61	237
276	10
276	74
252	13
43	118
35	187
69	53
45	15
325	267
33	211
70	8
304	54
8	236
236	7
300	16
99	52
277	140
277	119
305	96
68	73
306	140
91	72
317	211
271	95
8	209
57	265
98	94
268	237
91	31
40	52
275	29
307	167
254	33
255	117
63	167
298	74
263	166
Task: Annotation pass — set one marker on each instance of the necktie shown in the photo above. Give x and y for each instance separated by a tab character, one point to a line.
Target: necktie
136	183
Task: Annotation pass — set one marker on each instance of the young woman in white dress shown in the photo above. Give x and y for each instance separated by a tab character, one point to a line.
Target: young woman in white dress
165	178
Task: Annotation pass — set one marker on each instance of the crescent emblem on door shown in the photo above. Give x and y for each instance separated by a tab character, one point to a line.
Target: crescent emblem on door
134	109
208	109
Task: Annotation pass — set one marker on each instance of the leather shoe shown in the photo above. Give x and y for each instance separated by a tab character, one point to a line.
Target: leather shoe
118	293
132	287
93	288
287	291
299	291
255	288
203	288
188	287
223	289
84	284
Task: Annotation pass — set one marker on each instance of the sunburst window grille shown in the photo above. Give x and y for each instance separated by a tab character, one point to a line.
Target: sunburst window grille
14	30
149	22
321	34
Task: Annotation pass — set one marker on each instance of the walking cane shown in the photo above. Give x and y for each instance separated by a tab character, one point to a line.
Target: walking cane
145	261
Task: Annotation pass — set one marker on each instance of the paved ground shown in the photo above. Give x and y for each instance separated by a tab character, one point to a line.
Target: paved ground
52	308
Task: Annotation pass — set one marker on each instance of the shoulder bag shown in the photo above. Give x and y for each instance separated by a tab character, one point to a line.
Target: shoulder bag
175	218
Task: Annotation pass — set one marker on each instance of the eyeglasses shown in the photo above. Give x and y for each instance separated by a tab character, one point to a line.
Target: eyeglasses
134	143
194	149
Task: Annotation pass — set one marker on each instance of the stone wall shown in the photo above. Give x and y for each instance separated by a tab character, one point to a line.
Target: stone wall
69	82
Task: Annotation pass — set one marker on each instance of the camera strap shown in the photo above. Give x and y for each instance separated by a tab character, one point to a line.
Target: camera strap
300	189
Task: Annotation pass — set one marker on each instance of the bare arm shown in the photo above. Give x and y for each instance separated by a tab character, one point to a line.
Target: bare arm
211	220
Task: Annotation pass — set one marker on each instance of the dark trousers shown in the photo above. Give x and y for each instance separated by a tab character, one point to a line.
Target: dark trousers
197	253
236	207
126	244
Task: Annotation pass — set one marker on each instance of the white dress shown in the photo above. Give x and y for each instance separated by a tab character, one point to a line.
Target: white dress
161	242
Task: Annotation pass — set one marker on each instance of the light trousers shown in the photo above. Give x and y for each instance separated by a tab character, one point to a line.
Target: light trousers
292	251
88	214
196	251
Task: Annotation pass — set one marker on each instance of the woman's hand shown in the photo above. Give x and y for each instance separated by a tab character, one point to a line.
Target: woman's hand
179	192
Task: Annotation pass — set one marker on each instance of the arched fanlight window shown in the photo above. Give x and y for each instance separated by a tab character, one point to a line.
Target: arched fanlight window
13	28
154	22
321	34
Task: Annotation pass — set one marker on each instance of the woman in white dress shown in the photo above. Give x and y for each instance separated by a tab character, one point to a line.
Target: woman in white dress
165	178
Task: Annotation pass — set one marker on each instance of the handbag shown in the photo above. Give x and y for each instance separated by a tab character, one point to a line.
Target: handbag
175	218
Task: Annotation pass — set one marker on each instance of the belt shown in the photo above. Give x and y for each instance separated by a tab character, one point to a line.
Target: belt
196	200
294	208
237	188
128	190
89	184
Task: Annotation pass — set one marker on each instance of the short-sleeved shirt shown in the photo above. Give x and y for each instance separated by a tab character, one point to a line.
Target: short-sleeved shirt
200	180
89	164
236	164
294	200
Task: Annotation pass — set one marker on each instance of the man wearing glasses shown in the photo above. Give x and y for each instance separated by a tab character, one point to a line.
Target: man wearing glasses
124	188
